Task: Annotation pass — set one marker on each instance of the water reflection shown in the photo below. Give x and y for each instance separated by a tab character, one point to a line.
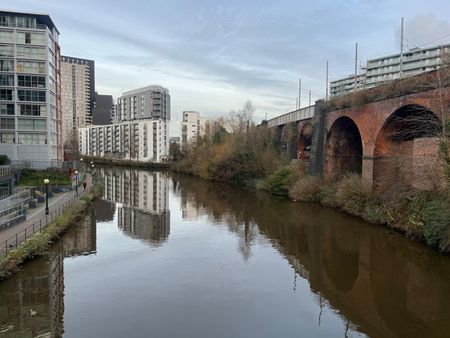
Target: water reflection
32	302
379	282
143	202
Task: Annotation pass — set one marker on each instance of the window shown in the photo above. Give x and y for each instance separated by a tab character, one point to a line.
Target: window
31	95
6	65
32	124
7	137
6	109
7	36
30	67
31	38
33	110
29	138
6	80
31	81
6	94
31	52
7	51
7	123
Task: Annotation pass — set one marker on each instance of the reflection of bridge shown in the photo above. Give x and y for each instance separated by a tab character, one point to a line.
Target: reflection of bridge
143	202
395	137
382	283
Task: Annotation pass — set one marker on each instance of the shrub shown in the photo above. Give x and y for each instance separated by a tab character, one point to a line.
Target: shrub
282	180
306	189
437	223
327	195
4	160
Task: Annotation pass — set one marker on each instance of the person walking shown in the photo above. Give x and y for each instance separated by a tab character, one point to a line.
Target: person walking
84	186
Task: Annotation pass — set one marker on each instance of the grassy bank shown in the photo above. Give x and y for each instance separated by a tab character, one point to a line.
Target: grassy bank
31	177
39	243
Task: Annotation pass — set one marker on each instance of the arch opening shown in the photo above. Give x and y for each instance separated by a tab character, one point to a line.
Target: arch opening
304	142
406	151
344	148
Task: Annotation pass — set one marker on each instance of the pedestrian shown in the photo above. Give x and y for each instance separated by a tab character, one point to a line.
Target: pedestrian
84	186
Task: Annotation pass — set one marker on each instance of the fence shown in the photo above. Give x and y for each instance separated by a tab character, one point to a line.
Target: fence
36	227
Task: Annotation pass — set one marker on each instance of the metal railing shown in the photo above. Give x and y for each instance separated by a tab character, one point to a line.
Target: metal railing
5	170
36	227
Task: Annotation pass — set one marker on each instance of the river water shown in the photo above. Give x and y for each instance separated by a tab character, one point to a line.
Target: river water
173	256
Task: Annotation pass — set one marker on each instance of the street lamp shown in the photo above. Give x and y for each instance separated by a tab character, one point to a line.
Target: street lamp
76	180
46	182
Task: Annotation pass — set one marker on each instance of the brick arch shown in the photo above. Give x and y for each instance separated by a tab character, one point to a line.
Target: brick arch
406	149
344	148
304	140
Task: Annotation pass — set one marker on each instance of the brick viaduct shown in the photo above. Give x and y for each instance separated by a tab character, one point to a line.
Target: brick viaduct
395	138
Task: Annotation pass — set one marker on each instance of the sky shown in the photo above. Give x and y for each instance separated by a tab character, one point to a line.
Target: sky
213	56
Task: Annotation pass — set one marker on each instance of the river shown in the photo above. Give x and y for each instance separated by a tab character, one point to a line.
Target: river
173	256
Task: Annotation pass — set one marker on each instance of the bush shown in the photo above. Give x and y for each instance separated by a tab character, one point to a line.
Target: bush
437	223
4	160
327	195
306	189
282	180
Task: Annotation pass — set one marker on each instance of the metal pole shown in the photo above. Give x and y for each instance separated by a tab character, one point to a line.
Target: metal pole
326	92
356	66
299	93
46	199
401	47
309	103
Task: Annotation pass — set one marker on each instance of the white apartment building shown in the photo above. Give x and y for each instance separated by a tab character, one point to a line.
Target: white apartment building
77	97
136	140
192	127
392	67
144	103
30	86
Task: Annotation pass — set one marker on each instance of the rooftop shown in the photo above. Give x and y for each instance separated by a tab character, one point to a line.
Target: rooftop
43	18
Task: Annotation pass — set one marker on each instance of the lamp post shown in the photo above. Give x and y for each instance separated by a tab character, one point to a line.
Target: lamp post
46	182
76	181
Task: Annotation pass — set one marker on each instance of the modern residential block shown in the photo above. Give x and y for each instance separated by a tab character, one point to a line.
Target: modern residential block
192	127
30	87
103	110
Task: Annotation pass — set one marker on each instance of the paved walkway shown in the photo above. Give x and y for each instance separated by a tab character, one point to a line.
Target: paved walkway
39	214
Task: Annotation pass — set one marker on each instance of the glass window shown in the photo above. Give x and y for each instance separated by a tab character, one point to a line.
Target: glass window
6	109
7	51
7	123
6	94
31	38
7	36
30	67
33	110
7	137
31	95
6	80
31	52
29	138
31	81
6	65
32	124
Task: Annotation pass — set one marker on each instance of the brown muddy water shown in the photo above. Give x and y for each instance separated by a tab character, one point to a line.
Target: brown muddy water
173	256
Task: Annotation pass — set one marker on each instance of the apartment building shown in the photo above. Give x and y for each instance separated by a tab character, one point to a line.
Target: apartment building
192	127
30	87
392	67
136	140
77	97
103	111
143	103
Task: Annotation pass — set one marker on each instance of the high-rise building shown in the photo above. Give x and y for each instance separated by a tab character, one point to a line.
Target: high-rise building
77	98
192	127
30	87
103	111
143	103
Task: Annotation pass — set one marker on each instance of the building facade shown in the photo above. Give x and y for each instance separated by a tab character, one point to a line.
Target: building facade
103	111
77	98
30	87
392	67
192	127
137	140
143	103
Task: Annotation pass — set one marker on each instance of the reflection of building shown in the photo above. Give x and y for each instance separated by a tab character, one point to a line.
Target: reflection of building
82	240
104	210
144	202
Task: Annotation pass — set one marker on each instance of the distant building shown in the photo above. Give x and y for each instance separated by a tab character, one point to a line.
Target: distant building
137	140
103	110
192	127
392	67
30	88
143	103
77	98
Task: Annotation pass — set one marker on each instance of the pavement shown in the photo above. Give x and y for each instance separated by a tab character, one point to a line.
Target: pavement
38	214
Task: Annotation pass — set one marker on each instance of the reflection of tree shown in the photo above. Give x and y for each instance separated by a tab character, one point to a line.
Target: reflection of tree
372	278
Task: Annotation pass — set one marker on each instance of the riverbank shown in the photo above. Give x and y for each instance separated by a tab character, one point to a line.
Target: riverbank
126	163
40	242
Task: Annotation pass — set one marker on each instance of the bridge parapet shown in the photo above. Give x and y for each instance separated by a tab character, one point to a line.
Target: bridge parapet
293	116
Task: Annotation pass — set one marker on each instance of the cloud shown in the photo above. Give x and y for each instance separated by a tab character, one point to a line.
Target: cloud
425	29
